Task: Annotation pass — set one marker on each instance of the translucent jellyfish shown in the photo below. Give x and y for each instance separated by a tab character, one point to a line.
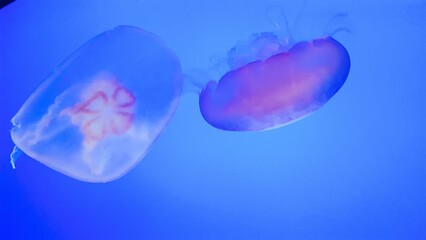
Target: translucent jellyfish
274	82
97	114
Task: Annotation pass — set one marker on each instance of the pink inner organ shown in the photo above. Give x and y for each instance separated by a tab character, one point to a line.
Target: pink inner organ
106	109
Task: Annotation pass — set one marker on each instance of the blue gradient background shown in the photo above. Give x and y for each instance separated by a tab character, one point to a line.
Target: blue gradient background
353	170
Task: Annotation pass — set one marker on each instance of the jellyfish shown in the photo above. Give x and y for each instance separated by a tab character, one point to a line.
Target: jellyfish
274	81
100	111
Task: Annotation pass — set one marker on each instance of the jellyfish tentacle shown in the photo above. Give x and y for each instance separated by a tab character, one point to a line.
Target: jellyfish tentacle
14	155
330	29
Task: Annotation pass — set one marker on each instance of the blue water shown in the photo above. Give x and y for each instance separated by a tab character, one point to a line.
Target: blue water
353	170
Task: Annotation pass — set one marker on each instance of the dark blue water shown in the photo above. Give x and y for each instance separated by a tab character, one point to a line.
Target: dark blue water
353	170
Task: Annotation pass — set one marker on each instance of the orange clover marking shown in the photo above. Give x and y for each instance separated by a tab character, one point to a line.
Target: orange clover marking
106	110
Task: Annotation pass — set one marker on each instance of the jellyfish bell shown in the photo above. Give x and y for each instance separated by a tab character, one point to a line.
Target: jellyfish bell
99	112
274	81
